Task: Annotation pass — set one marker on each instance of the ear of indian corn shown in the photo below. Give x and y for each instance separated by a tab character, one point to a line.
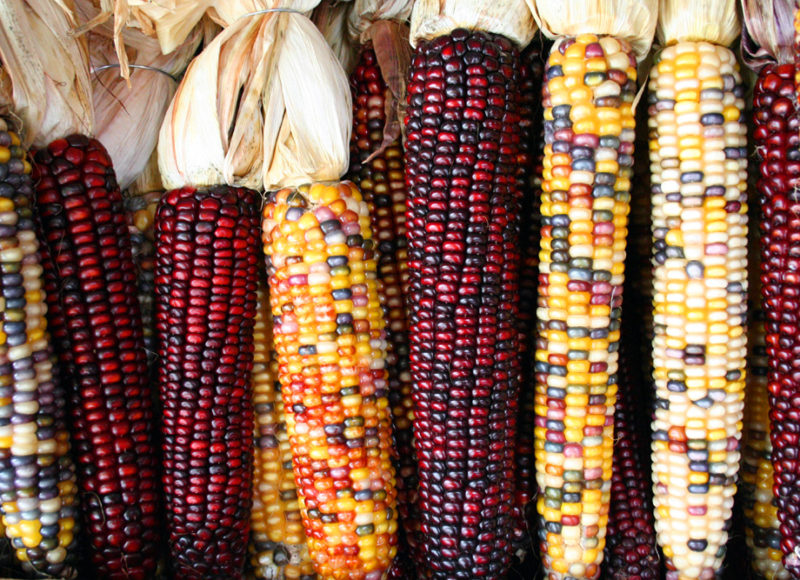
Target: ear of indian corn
38	494
757	474
206	281
590	83
330	340
380	177
778	146
699	218
94	316
631	546
278	548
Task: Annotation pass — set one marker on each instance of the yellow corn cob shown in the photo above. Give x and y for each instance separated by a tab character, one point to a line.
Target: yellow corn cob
760	512
278	548
699	170
330	341
588	160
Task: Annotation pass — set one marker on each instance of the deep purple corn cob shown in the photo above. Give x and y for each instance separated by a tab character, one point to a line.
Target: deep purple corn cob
777	138
94	317
462	152
207	248
630	552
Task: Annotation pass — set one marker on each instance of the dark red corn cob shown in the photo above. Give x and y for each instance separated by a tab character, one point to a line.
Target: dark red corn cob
381	180
462	148
532	144
93	314
777	139
630	552
207	248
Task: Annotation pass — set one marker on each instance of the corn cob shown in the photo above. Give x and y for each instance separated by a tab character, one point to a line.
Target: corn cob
37	477
381	180
141	215
757	476
589	131
631	548
778	145
206	282
330	340
278	548
530	81
463	141
699	218
94	316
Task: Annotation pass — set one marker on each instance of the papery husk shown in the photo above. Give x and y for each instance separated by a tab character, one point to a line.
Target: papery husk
389	41
715	21
226	12
331	20
129	112
631	20
171	21
266	104
510	18
148	180
366	12
768	32
48	69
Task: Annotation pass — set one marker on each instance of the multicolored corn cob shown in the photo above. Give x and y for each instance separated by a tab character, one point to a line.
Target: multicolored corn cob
206	279
630	552
381	180
94	317
38	493
757	474
141	211
589	132
278	548
698	160
532	144
777	137
462	148
329	336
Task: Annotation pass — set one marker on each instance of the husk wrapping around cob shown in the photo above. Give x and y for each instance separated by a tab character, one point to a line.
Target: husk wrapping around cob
509	18
331	19
282	135
366	13
37	477
588	99
47	69
698	159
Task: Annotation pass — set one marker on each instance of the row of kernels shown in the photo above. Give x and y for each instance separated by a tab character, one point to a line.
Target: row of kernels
590	84
699	228
330	343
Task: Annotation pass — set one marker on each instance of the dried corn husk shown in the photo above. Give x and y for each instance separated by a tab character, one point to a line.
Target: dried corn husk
715	21
226	12
768	33
171	21
148	180
331	19
277	114
131	111
366	12
48	69
510	18
631	20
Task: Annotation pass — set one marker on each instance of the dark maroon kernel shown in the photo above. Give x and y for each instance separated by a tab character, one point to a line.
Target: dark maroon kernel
205	309
463	257
93	317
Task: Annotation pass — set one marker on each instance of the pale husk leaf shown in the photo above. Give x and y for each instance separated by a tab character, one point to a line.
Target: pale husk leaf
331	20
631	20
172	21
131	111
226	12
148	180
768	32
48	68
366	12
510	18
277	113
715	21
